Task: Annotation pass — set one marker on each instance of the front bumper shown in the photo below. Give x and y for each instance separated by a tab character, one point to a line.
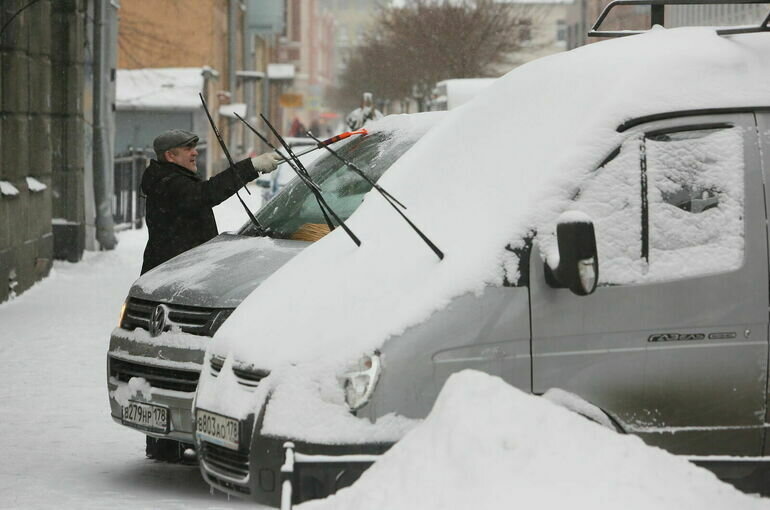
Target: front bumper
254	472
171	372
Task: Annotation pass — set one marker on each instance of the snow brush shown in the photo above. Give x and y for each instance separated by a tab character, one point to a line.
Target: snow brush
333	139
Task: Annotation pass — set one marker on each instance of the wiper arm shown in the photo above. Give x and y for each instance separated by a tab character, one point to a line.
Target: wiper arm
316	192
387	196
232	164
303	176
357	170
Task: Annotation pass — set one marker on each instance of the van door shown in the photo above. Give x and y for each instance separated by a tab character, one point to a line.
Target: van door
673	343
763	123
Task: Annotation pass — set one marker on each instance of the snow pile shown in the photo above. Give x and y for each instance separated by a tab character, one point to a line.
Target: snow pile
171	88
482	179
486	445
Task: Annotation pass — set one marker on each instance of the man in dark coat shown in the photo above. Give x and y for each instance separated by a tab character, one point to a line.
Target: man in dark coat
179	202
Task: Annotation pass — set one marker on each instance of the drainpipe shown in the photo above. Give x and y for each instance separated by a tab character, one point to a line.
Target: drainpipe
102	162
232	14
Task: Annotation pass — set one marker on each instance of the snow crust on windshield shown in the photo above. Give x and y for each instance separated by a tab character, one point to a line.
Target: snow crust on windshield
487	445
493	171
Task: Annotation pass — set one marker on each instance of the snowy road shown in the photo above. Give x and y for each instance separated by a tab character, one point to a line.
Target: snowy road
59	445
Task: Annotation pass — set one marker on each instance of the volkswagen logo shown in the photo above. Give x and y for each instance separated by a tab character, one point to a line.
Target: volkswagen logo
158	320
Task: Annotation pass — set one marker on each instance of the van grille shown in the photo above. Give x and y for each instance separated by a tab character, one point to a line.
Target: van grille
246	376
190	319
166	378
224	461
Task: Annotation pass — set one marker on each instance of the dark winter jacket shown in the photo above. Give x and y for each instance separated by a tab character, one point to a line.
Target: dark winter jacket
179	202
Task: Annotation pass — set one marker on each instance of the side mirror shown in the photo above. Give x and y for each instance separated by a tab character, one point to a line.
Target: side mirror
578	267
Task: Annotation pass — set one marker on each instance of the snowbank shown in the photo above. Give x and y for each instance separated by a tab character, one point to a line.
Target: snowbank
487	445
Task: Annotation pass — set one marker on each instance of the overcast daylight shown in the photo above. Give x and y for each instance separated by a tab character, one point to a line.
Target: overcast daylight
385	254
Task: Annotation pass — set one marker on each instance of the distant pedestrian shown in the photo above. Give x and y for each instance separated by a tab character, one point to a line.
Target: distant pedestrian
178	213
297	128
366	112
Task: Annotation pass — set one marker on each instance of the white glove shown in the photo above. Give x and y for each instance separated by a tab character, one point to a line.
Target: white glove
266	163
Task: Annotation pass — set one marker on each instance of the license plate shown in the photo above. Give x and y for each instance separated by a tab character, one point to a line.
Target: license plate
146	416
217	429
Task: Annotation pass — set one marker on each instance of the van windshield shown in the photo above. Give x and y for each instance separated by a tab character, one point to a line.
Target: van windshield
294	212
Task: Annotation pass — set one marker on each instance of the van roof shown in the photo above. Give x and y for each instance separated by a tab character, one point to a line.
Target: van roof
482	179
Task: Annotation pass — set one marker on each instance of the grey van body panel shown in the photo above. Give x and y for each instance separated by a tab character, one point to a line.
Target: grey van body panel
697	397
487	332
230	280
763	129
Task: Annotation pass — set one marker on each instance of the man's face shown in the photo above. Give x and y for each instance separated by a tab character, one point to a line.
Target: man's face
184	157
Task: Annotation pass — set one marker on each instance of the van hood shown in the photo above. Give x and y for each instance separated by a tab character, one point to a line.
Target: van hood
217	274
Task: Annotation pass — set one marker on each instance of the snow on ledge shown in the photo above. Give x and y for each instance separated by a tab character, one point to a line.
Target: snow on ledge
35	186
8	189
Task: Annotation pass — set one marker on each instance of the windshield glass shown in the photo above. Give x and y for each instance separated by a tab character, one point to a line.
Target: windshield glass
294	212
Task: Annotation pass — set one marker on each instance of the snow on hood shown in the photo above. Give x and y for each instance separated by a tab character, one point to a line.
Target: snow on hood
219	273
478	181
487	445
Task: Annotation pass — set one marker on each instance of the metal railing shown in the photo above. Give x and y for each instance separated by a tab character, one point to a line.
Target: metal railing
127	200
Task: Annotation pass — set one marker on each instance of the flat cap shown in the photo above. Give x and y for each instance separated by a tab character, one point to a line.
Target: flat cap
173	138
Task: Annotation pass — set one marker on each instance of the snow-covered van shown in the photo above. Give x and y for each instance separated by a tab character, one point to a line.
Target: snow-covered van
171	312
611	245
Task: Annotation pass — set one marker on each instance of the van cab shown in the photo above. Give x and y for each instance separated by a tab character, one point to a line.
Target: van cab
616	250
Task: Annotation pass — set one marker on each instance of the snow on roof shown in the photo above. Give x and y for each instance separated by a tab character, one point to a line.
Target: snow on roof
171	88
478	181
487	445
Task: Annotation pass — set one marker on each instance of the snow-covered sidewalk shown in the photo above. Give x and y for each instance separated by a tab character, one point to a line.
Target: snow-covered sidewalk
60	447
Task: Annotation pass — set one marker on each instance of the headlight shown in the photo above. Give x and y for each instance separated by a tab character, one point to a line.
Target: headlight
122	313
360	382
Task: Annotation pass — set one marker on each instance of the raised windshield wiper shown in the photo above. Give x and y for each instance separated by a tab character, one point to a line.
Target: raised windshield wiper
387	196
253	219
304	176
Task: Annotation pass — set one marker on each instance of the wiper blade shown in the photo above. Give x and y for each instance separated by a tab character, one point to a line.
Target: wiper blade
387	196
232	164
316	192
357	170
302	175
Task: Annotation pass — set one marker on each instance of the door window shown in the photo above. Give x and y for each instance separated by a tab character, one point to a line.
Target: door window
695	197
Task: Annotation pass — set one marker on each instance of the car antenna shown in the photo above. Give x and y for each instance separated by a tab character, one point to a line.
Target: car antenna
387	196
303	176
317	193
232	164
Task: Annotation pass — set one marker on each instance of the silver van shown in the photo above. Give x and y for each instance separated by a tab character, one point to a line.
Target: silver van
155	354
639	285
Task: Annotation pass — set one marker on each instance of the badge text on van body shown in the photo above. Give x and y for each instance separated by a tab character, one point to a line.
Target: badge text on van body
682	337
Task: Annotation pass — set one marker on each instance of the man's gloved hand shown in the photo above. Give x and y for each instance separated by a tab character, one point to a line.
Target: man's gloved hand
266	163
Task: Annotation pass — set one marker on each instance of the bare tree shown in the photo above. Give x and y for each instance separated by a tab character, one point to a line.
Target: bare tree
426	41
